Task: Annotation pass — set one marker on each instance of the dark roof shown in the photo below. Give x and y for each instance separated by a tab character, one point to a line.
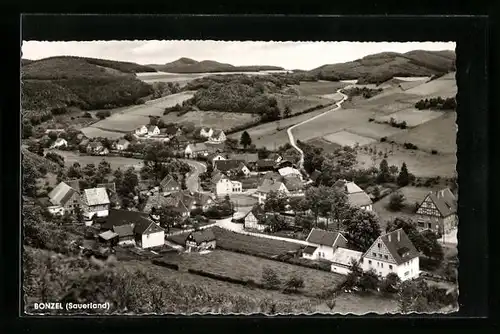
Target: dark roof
123	217
216	177
309	249
142	226
445	201
203	235
269	185
171	130
322	237
265	163
211	156
257	211
95	144
201	198
122	141
227	165
401	249
155	201
217	133
273	175
248	158
124	230
293	183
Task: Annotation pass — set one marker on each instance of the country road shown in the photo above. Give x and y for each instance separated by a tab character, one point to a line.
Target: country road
289	130
192	181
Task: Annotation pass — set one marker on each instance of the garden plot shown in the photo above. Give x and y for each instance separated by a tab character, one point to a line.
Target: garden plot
345	138
412	116
444	87
374	130
214	119
92	132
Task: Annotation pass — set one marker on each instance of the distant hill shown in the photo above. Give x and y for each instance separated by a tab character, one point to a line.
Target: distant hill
25	62
87	83
187	65
383	66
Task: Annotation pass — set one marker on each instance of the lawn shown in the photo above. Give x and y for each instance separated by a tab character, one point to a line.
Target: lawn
445	86
115	162
319	87
374	130
215	119
412	195
345	138
412	116
241	200
439	134
327	146
246	267
298	104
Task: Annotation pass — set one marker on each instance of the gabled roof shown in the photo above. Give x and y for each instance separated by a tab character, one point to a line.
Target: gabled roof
445	201
356	195
401	248
123	217
293	183
201	198
146	226
309	250
274	156
269	185
151	128
211	156
111	186
272	175
124	230
322	237
74	183
96	196
265	163
61	194
258	212
205	235
198	147
227	165
123	142
217	133
344	256
95	144
169	181
108	235
216	177
206	129
248	158
288	171
155	201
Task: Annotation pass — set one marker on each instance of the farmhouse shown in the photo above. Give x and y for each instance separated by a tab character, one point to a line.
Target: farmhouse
323	244
343	258
141	131
392	253
153	130
180	204
122	217
355	195
438	211
294	185
202	201
222	185
269	185
95	202
125	234
60	142
287	171
254	217
206	132
148	234
234	167
96	148
265	165
122	144
284	163
200	240
196	150
212	158
64	198
250	159
169	184
218	136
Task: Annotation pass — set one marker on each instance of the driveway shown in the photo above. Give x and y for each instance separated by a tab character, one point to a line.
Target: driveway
193	180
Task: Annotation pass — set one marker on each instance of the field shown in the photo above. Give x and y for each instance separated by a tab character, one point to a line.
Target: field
129	118
327	146
215	119
412	195
318	87
445	87
246	267
438	134
413	117
345	138
374	130
115	162
298	104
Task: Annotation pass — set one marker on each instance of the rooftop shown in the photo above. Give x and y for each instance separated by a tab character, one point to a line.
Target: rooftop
322	237
400	246
96	196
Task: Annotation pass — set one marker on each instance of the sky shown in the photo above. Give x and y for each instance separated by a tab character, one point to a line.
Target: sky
290	55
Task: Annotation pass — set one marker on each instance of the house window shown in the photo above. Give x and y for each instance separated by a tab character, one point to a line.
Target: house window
390	266
381	265
379	245
378	264
386	257
374	254
370	262
429	225
380	255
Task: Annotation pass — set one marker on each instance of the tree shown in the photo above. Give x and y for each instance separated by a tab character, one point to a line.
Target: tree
104	167
393	170
89	170
168	217
384	175
404	177
102	114
29	175
354	275
396	201
270	279
27	130
287	112
390	283
263	152
275	202
369	280
294	284
362	228
245	140
52	135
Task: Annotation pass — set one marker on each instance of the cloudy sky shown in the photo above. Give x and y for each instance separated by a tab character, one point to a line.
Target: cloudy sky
290	55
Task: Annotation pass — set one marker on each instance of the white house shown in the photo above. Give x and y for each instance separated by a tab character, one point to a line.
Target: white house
60	142
392	253
269	185
196	150
149	234
323	244
95	201
343	258
253	218
141	131
289	171
222	185
218	136
212	158
153	130
355	195
56	210
122	144
206	132
200	240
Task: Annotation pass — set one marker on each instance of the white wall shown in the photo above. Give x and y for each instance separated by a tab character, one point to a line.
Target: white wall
383	268
340	270
367	207
309	256
323	252
223	187
411	267
153	239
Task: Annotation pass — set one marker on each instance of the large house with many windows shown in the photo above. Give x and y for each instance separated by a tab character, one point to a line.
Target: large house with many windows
438	211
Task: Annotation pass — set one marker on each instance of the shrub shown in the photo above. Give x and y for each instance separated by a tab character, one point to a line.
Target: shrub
434	152
410	146
103	114
371	119
87	115
396	201
270	279
383	139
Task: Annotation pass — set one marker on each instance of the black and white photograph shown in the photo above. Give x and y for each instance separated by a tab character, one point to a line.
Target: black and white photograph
239	177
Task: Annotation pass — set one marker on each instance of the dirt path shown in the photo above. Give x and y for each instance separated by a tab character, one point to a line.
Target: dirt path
289	130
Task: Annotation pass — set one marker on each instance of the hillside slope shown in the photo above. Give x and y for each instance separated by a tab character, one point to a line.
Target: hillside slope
383	66
187	65
86	83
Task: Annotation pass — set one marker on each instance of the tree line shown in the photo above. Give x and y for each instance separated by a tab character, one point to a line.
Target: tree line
437	103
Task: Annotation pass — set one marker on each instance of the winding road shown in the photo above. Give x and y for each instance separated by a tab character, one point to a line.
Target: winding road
192	180
289	130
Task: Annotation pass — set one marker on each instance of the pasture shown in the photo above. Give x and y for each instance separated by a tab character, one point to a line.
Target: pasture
246	267
439	134
214	119
298	104
115	162
345	138
445	86
307	88
374	130
92	132
327	146
412	116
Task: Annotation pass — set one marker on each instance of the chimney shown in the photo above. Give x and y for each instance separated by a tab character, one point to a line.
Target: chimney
399	235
